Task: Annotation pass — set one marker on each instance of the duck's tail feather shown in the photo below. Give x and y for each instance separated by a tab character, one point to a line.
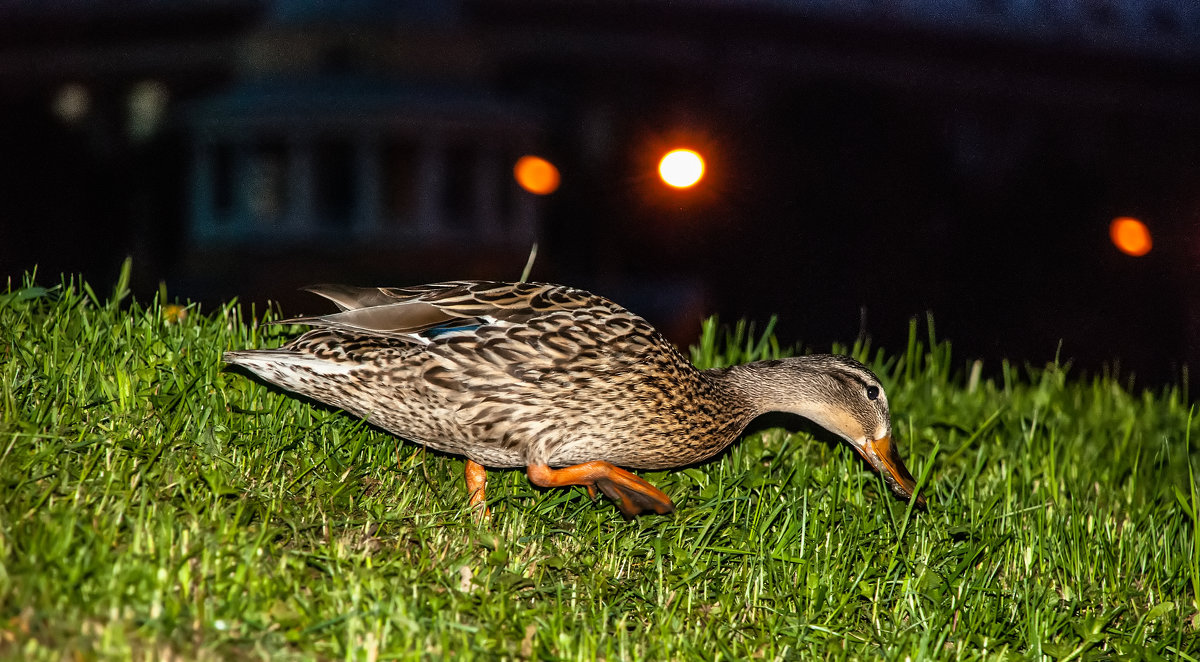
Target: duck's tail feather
286	368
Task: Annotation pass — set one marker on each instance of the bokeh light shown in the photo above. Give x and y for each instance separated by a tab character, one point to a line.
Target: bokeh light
536	175
147	109
72	103
1130	236
681	168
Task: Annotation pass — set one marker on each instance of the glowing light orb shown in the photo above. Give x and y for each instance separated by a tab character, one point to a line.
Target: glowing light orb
1130	236
681	168
536	175
72	103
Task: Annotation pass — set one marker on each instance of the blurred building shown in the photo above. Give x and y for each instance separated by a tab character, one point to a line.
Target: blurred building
363	137
867	161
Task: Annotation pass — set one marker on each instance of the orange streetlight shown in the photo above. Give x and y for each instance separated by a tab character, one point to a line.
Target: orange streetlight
681	168
536	175
1130	236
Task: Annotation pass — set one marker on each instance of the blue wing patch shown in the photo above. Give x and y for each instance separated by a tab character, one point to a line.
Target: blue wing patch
448	330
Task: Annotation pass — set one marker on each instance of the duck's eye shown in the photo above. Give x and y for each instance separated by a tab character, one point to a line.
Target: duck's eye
872	392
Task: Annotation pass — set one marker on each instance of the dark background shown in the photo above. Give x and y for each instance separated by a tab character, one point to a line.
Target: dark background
868	162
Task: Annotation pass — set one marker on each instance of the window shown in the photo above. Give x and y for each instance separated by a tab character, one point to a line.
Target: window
223	182
268	183
334	175
399	183
459	194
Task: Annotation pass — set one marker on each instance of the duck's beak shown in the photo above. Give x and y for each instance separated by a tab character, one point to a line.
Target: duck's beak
882	454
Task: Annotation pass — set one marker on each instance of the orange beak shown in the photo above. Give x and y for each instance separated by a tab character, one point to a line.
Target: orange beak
882	454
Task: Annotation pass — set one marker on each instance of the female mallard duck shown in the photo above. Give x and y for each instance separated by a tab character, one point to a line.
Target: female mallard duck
562	382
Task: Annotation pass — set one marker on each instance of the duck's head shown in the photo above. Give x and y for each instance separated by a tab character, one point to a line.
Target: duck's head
844	397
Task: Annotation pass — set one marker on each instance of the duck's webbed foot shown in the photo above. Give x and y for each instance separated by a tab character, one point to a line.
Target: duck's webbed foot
632	494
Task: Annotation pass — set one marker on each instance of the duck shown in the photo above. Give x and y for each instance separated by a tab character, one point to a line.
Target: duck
567	385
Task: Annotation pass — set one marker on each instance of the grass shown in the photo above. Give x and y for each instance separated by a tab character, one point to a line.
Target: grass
154	506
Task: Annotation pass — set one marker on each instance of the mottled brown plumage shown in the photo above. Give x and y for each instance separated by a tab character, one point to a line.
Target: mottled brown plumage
539	376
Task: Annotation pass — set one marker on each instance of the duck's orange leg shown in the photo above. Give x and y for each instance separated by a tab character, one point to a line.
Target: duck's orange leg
476	486
632	494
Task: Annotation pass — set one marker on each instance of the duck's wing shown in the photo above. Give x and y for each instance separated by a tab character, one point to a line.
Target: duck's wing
348	297
427	311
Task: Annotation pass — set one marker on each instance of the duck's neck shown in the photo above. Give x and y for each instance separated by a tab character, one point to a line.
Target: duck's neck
794	385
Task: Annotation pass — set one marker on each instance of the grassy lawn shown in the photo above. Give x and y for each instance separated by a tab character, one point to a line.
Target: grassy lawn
154	506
